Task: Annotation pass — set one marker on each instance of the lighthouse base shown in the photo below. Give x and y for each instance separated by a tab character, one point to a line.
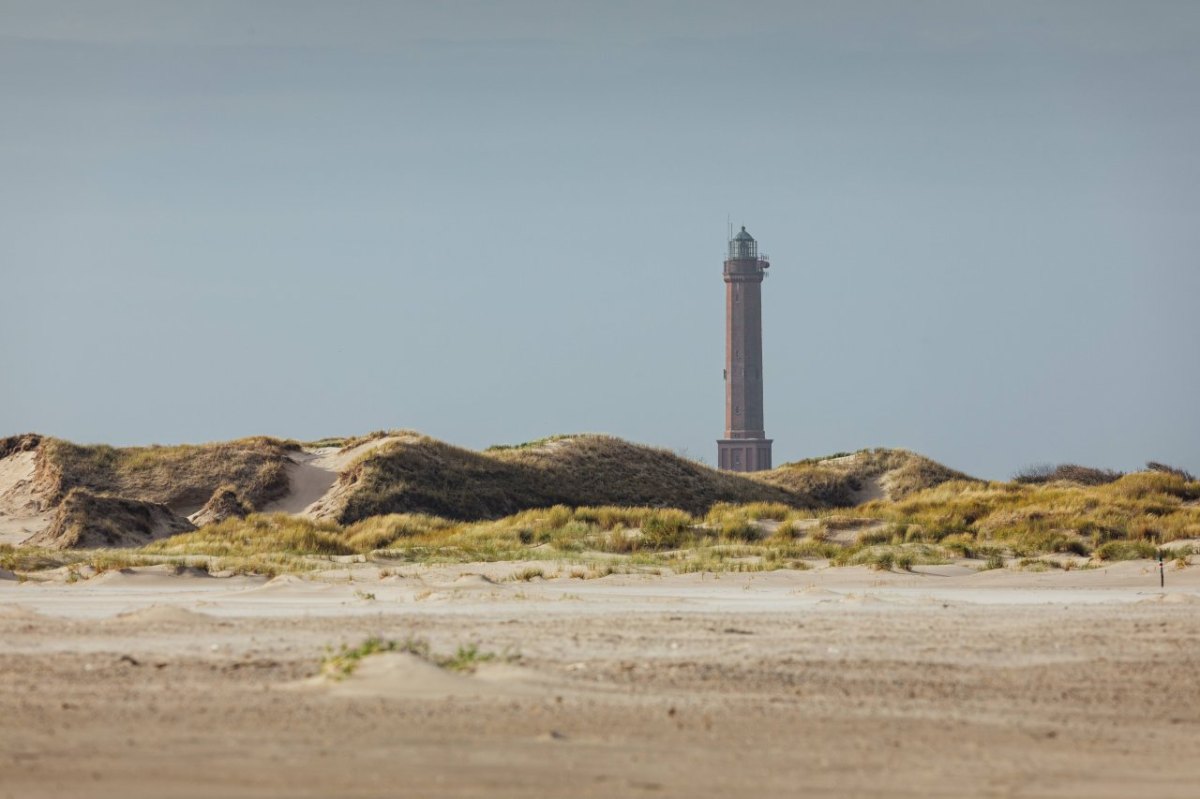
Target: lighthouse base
744	454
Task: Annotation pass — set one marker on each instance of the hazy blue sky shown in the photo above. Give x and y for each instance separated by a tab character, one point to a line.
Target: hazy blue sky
495	221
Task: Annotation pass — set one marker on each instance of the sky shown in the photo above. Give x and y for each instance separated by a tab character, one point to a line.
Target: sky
495	221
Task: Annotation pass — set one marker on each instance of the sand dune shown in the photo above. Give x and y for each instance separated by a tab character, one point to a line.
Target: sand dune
87	496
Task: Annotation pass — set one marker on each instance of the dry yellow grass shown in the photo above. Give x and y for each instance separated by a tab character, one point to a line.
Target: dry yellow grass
835	481
954	519
258	534
1155	507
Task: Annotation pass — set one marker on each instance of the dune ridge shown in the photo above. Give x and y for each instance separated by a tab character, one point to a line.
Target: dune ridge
58	494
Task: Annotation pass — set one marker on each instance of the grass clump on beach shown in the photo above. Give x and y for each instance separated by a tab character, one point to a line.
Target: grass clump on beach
341	663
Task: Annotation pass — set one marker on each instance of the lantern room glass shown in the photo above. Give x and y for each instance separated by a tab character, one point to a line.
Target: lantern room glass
743	246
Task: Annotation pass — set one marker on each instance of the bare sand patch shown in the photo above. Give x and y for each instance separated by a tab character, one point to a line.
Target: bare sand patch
872	488
312	476
19	613
21	511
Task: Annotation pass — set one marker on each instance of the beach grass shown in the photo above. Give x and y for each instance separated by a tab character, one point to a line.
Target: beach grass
1129	517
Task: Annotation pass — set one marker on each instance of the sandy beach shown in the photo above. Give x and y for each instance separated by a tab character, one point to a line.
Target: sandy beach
830	682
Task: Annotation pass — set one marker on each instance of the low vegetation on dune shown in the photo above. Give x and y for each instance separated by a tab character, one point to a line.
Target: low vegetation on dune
1014	525
1068	472
256	535
846	479
1153	506
182	477
418	474
223	504
593	504
350	442
25	442
603	470
406	472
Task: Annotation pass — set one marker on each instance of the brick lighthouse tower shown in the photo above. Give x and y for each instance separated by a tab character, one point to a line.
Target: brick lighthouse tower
745	447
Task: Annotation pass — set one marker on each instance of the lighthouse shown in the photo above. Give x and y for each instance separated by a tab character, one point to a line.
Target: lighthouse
745	447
